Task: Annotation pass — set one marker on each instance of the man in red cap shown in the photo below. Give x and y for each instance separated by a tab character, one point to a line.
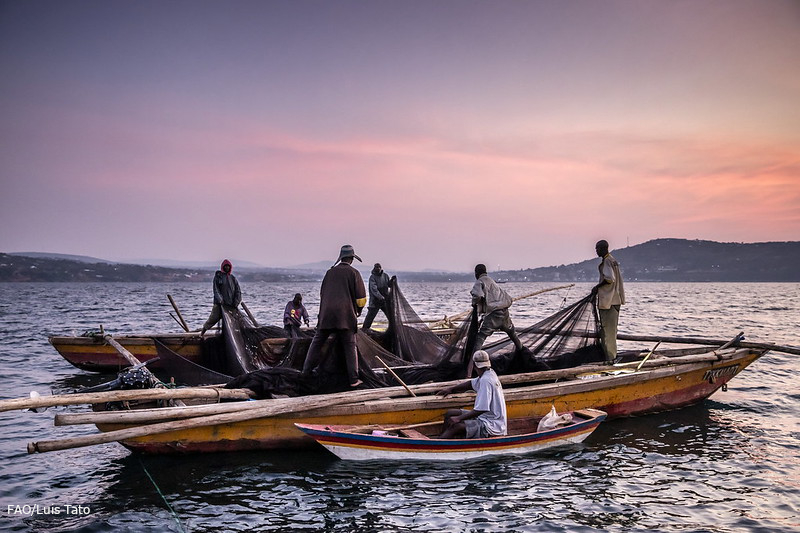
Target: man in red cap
341	299
226	292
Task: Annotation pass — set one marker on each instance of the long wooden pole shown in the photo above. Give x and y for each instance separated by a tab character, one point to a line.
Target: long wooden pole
173	413
126	395
178	312
395	376
709	342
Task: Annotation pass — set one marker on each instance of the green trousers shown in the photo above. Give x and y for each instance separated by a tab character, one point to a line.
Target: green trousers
609	319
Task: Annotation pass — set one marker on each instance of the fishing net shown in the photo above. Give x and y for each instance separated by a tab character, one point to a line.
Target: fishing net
265	360
567	338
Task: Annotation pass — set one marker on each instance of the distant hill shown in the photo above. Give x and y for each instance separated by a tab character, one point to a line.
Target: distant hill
657	260
683	260
202	265
68	257
27	268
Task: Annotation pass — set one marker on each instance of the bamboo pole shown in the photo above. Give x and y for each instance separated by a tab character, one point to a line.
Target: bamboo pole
463	314
178	312
173	413
709	342
247	310
125	395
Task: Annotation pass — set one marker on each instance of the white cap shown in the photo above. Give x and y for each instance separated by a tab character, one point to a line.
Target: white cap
481	359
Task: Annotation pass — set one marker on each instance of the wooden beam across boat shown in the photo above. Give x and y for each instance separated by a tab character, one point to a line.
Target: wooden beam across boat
512	380
377	401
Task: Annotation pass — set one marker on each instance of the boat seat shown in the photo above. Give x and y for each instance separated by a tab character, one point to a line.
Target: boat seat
412	434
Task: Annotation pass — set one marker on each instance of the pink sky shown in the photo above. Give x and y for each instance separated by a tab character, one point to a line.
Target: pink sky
426	134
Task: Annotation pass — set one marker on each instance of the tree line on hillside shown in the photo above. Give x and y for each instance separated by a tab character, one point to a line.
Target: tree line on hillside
657	260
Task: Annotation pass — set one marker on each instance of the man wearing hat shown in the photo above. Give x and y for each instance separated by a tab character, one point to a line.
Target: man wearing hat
488	416
378	291
341	299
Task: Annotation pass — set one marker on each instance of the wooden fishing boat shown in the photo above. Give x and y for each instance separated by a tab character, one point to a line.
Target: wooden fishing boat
670	379
91	352
360	443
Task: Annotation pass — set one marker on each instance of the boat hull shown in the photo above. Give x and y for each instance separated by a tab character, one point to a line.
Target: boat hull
364	447
647	391
95	355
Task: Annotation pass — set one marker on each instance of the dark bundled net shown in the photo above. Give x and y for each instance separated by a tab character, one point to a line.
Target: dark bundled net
568	338
410	338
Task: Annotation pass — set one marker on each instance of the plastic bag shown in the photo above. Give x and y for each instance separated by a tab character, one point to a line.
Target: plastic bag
553	420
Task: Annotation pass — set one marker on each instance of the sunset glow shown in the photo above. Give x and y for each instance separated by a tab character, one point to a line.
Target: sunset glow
426	134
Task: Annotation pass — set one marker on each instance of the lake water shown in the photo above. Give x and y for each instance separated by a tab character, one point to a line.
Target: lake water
731	463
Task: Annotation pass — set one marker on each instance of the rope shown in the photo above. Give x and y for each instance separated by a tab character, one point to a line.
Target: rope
171	510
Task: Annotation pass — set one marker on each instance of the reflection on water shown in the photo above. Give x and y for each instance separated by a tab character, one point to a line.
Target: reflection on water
730	464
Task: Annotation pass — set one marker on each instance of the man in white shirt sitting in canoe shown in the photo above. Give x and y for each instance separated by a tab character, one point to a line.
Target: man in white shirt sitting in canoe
488	416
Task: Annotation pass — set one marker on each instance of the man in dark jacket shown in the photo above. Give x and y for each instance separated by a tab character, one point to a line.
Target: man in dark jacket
341	299
378	291
226	292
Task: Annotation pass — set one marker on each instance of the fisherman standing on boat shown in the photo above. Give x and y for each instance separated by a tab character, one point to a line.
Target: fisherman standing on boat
294	315
610	296
488	416
226	292
342	297
492	302
378	291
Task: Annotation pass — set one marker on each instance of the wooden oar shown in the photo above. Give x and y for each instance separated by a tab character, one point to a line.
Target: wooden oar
646	357
394	428
395	376
178	312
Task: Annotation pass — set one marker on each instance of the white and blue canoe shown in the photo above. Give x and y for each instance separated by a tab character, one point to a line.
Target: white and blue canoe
360	443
